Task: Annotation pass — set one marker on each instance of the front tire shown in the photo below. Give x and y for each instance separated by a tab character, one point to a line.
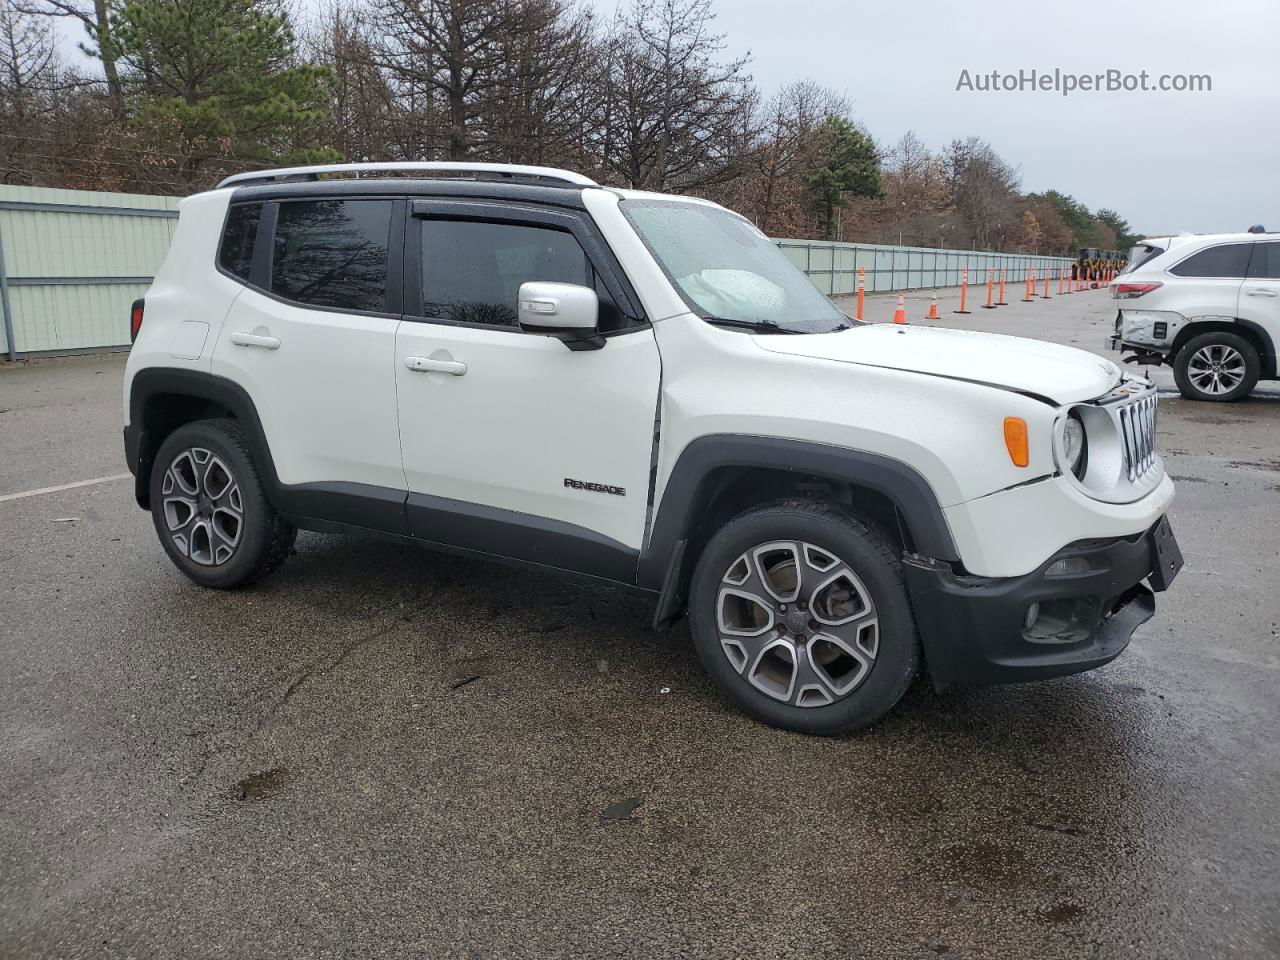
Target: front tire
1217	367
799	612
209	509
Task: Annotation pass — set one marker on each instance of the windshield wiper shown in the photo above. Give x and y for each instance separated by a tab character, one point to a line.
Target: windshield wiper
760	326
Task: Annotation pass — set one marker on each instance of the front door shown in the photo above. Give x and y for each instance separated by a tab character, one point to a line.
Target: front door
513	444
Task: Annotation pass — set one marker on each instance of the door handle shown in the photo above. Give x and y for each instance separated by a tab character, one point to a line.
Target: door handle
1261	292
429	365
255	340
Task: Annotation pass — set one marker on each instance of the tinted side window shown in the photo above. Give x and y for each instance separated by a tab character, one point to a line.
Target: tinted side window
332	253
236	253
472	271
1228	260
1265	264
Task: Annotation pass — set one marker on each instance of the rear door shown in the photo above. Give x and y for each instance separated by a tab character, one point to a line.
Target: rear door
536	451
1260	295
1209	281
312	340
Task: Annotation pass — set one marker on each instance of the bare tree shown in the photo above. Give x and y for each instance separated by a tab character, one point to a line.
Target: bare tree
442	56
984	191
538	100
916	201
95	17
789	126
361	118
675	111
30	76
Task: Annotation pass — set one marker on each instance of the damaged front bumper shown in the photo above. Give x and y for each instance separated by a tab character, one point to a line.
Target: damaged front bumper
1075	612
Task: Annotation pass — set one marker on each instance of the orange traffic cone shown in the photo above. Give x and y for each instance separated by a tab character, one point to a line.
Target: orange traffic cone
900	315
1001	301
1046	295
990	304
964	290
933	309
862	284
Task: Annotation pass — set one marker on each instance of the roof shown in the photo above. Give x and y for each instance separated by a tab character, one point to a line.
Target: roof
1182	238
402	186
491	171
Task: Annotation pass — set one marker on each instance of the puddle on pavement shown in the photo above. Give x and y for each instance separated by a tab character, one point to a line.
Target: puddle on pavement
262	785
622	810
1062	912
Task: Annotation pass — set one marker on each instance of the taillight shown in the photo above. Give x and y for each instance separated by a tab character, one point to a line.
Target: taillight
135	319
1127	291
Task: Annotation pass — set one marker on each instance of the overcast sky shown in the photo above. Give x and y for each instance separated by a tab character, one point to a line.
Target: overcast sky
1203	162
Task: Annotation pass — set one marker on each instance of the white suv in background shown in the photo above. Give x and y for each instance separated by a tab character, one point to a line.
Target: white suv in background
515	363
1209	306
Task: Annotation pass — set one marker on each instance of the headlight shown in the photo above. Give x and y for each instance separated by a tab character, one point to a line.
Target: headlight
1075	445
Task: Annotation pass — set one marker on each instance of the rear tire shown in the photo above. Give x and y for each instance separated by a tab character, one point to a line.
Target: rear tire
799	612
1217	367
209	509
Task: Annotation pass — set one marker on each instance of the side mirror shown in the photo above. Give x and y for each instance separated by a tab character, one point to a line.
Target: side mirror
567	311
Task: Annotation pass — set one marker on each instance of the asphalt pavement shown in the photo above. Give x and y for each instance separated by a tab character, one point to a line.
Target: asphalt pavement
381	752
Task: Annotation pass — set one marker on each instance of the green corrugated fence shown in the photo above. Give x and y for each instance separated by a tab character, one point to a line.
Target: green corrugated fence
71	262
833	267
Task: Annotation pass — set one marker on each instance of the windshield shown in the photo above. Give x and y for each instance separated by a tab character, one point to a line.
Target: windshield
728	271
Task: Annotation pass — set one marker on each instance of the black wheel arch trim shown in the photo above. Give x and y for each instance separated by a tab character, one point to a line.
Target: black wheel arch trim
665	563
151	382
1268	355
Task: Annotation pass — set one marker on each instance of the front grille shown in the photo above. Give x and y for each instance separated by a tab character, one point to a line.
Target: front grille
1138	431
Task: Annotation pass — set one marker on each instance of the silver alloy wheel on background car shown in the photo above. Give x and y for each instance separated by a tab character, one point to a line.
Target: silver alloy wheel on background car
1216	369
797	623
203	508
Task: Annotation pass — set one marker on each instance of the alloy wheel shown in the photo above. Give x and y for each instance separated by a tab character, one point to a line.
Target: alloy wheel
1216	369
203	508
797	623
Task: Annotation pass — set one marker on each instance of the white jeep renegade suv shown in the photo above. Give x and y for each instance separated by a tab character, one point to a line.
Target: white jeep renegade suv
515	363
1208	306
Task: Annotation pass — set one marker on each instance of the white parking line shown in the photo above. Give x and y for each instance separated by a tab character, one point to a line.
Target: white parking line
65	486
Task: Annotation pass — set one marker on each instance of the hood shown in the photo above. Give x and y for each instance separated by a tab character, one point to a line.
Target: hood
1060	374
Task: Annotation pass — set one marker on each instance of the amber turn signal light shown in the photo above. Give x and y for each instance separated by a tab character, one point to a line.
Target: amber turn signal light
1015	438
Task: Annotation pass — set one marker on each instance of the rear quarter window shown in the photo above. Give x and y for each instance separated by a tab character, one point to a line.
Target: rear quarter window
235	255
1229	260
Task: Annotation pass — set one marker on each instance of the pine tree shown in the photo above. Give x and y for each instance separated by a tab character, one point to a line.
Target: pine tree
219	80
846	163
